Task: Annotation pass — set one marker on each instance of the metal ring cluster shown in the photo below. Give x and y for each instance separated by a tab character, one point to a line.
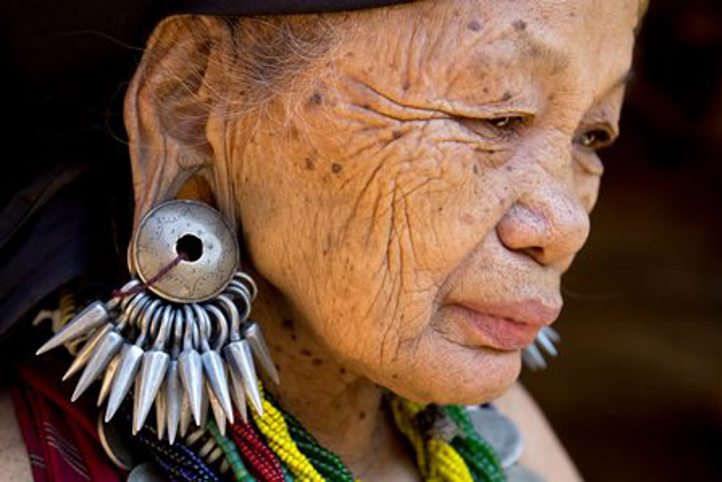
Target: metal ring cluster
182	357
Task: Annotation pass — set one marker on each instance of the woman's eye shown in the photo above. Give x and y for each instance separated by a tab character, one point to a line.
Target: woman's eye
595	139
494	128
506	122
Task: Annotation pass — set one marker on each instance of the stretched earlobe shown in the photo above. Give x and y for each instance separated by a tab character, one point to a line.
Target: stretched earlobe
166	113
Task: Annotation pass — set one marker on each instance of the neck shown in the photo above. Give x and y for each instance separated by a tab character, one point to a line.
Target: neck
342	410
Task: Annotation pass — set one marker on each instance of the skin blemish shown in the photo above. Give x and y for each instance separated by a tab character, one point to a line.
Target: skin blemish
362	415
342	371
306	352
287	324
506	96
309	164
396	135
476	170
519	25
406	85
317	362
474	25
336	167
316	98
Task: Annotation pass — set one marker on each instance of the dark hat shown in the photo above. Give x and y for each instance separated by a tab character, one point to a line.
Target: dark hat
65	201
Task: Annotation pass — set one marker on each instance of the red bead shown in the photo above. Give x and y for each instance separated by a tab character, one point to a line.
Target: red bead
261	461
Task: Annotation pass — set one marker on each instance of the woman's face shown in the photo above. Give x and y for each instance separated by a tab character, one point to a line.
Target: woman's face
420	203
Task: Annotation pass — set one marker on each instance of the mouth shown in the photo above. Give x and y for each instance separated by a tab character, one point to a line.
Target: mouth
503	327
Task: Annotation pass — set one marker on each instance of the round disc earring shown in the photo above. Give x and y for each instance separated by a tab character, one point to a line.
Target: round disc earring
178	333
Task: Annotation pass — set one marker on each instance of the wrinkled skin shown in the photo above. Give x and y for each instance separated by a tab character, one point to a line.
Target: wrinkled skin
443	156
447	157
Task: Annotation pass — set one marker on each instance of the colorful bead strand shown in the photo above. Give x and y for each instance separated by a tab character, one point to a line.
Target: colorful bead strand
273	426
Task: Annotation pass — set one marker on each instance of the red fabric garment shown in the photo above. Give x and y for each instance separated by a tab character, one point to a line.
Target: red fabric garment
60	436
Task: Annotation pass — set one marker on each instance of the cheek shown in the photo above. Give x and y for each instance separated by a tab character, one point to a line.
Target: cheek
586	186
361	229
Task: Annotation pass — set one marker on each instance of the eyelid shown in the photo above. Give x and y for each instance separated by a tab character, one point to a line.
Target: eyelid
611	131
485	127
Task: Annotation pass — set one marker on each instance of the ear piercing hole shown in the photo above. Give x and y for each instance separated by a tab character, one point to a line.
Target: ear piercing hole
189	248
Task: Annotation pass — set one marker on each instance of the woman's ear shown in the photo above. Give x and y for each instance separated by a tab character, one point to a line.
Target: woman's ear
167	108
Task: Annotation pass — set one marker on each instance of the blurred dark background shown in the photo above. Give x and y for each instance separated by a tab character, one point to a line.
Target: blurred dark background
636	394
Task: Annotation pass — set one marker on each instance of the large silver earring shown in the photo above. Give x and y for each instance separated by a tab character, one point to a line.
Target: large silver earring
178	333
544	342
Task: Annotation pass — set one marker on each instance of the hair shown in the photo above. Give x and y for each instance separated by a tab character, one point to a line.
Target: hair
202	73
240	64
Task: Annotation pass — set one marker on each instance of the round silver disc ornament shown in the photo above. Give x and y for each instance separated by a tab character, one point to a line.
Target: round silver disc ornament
197	231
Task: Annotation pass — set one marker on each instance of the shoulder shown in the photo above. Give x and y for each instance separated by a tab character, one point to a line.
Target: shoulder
543	452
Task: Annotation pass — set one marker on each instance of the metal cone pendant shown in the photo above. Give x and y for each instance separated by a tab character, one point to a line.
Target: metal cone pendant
238	355
147	384
106	349
260	349
190	368
215	372
130	359
93	316
179	331
174	399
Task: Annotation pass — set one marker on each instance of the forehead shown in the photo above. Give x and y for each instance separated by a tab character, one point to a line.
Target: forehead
458	49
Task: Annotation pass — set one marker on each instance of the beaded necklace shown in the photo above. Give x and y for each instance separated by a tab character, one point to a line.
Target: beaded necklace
276	448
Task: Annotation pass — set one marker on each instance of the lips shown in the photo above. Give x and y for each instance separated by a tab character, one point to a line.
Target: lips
505	327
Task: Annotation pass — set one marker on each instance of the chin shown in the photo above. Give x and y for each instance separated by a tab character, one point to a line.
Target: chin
458	375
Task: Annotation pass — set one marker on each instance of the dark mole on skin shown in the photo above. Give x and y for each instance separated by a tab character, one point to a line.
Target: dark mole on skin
309	164
336	167
406	86
506	96
476	169
287	324
316	98
519	25
396	134
306	352
342	371
362	415
316	362
474	25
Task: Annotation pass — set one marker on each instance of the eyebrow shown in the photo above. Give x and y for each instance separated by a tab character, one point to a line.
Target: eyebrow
540	49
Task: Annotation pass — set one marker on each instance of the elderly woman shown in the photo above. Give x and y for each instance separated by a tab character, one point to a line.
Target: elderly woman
407	184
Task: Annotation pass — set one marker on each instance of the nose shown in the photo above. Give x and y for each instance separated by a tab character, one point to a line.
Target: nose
548	224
